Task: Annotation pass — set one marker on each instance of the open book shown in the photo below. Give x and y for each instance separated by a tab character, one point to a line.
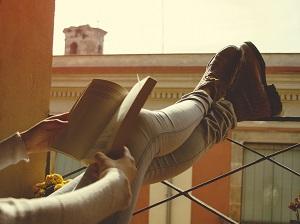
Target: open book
102	118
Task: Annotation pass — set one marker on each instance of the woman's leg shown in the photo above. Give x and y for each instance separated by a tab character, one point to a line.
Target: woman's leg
212	129
160	132
168	128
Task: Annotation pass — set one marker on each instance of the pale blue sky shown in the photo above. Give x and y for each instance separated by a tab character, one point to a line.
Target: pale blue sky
183	26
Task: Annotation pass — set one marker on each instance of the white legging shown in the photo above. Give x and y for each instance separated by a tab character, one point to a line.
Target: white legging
166	142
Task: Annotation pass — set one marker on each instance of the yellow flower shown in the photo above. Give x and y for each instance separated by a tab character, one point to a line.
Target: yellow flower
66	181
49	180
52	183
58	178
41	185
53	179
57	186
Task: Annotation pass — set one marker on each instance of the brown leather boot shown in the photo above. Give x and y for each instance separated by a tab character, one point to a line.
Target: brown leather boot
251	97
221	72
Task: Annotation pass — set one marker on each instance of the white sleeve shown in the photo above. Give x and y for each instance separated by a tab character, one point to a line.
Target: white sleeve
89	204
12	150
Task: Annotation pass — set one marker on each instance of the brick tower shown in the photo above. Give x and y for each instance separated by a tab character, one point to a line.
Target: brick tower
83	40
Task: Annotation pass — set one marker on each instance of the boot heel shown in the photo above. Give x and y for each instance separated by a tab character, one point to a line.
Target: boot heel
274	100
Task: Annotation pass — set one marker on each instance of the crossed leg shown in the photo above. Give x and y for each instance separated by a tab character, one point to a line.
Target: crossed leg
183	146
164	143
212	129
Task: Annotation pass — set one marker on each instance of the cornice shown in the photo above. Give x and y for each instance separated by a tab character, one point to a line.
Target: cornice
290	95
157	93
169	86
63	92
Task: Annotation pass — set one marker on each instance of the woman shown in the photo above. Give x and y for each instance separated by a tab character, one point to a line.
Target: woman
166	142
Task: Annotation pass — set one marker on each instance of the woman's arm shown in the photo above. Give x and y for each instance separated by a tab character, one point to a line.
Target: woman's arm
36	139
12	150
105	190
89	204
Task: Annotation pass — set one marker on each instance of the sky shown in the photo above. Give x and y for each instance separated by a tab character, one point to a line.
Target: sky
183	26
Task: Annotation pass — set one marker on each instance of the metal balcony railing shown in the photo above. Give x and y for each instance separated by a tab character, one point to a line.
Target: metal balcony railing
187	193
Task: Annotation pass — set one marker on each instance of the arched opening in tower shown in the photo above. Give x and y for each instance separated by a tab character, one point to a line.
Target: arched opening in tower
73	48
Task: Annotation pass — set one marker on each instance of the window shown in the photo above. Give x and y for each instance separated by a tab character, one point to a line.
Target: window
100	50
267	189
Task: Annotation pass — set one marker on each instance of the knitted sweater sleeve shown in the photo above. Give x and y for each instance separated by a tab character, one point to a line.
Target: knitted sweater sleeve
12	150
89	204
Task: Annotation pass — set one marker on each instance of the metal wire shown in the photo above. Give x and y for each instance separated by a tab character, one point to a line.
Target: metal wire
73	172
271	160
199	202
184	193
187	193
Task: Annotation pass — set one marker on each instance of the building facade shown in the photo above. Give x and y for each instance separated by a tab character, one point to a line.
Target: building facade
236	196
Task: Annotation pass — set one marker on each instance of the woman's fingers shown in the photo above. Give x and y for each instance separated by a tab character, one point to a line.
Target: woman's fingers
62	117
127	154
126	163
103	161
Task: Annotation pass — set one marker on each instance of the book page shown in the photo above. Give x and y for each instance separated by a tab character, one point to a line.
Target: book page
89	116
115	135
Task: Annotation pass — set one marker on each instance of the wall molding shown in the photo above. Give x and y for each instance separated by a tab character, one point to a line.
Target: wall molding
292	96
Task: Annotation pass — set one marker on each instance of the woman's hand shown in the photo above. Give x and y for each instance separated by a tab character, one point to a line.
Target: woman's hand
39	137
103	163
125	163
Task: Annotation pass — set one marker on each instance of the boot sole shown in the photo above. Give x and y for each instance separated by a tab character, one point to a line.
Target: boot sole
273	96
